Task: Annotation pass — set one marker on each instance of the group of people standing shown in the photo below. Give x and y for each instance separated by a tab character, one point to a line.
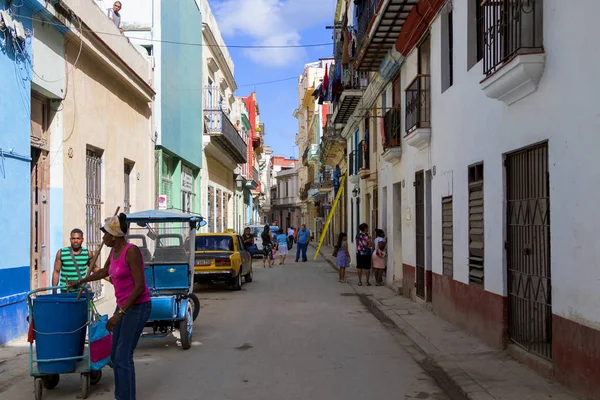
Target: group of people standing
369	254
280	243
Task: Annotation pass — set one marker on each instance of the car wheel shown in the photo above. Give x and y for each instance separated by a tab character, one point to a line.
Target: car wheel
250	275
237	282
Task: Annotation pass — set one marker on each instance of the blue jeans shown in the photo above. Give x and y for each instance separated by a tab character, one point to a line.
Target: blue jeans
301	247
125	338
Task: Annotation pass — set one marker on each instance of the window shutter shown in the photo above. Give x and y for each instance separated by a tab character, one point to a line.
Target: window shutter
447	237
476	225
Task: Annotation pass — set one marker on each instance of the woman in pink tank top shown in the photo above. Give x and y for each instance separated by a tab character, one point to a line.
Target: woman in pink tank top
125	266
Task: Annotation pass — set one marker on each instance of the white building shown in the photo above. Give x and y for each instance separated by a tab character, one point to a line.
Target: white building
485	179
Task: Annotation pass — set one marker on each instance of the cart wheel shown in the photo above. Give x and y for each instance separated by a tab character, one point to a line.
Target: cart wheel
95	377
38	388
196	305
185	329
50	381
85	386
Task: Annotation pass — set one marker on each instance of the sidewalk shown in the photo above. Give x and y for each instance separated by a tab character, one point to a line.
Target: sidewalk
460	363
14	356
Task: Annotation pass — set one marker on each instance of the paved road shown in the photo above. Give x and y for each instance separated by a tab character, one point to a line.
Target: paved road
293	333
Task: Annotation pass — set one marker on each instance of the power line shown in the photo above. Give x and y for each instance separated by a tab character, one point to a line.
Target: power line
267	82
283	46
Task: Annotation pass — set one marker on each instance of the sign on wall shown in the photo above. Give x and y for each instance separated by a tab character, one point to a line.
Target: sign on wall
162	202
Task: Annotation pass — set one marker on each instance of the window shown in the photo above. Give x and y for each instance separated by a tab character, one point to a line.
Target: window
476	225
447	237
166	184
475	33
447	51
188	194
287	189
209	211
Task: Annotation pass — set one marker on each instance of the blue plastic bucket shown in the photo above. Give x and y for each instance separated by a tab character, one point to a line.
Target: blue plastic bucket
57	321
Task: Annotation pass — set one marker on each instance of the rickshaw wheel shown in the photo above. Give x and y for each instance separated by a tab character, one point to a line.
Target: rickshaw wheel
185	329
50	381
38	388
85	386
95	377
196	302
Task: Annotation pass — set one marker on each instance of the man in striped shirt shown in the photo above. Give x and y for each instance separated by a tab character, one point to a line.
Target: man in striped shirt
70	259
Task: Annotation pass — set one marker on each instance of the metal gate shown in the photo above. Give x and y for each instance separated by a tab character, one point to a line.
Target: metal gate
420	231
528	250
93	169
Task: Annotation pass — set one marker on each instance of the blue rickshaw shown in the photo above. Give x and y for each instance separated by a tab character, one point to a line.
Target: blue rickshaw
163	237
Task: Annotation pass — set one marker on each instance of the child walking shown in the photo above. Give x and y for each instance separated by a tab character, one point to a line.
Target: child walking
379	257
342	259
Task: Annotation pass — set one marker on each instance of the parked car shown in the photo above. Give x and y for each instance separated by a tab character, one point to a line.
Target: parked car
221	257
257	231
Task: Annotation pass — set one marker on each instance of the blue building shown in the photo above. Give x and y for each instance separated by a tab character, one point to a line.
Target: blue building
178	103
15	175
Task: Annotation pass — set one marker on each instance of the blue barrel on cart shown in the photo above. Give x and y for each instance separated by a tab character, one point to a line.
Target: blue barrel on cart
60	327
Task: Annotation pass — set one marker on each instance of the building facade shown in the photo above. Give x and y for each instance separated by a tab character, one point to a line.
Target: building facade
224	145
251	170
284	190
157	27
473	167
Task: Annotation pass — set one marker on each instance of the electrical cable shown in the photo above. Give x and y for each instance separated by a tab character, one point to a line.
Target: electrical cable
285	46
268	82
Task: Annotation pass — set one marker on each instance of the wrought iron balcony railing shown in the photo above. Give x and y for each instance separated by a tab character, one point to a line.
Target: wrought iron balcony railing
392	127
220	127
418	108
365	11
363	155
255	175
510	27
305	155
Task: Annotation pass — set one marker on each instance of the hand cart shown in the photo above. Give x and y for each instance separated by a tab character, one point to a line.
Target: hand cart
58	325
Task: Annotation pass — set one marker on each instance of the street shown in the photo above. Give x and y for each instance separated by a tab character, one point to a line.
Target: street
293	333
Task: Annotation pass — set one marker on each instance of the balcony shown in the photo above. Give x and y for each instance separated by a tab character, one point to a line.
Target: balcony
255	174
312	194
379	24
363	159
418	112
392	128
513	53
220	129
325	183
313	154
353	85
305	157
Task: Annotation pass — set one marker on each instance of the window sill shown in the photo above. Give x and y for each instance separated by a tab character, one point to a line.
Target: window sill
516	79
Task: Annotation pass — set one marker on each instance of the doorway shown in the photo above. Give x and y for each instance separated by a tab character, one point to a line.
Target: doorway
528	250
397	229
420	232
40	183
93	207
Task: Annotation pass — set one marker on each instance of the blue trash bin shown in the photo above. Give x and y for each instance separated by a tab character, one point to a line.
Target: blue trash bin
57	320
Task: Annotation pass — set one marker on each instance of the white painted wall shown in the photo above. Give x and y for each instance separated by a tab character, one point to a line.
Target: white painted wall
468	127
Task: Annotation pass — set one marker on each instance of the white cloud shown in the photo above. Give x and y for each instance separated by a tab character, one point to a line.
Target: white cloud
271	22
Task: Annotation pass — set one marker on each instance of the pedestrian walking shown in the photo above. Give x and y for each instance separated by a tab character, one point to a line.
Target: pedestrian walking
363	253
267	243
379	260
303	241
290	234
125	266
342	256
282	241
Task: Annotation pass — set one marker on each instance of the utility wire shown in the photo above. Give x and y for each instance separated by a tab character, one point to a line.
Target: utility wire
258	46
267	82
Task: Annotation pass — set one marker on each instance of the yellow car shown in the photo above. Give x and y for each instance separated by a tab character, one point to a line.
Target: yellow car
222	257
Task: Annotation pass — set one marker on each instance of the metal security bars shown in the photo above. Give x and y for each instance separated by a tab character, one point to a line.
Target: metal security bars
352	163
93	218
392	127
365	11
510	27
528	250
418	109
127	189
360	158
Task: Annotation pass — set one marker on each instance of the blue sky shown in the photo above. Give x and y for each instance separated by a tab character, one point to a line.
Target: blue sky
274	22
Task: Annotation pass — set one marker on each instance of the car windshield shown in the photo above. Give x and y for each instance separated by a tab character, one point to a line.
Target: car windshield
214	243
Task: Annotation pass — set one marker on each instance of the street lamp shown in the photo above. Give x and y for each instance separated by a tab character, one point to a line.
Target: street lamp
355	191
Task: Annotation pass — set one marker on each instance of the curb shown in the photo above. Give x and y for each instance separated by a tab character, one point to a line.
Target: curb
419	353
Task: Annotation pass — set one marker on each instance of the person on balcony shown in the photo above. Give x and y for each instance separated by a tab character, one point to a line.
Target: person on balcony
114	14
